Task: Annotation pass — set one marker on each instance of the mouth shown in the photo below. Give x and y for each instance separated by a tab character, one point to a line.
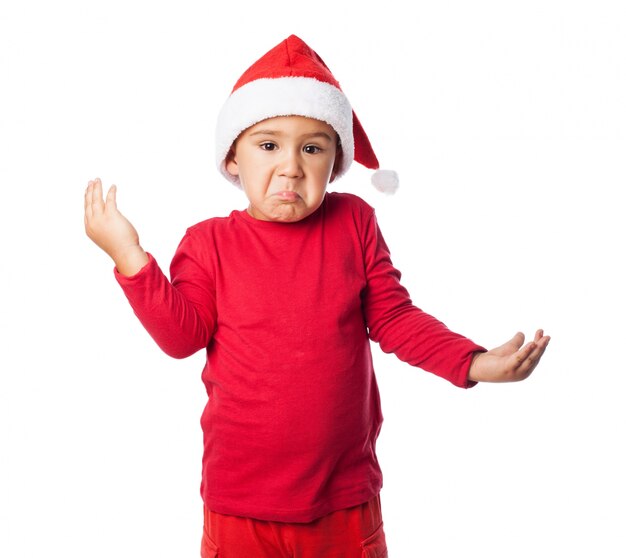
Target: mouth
287	196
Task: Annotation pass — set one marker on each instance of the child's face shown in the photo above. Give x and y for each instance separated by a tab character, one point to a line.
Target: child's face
284	165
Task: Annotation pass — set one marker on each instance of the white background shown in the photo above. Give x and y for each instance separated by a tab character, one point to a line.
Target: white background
506	122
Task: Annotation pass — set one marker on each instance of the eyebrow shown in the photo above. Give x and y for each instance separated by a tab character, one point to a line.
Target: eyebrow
270	132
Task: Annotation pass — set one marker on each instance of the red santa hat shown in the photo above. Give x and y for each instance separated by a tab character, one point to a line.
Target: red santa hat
291	79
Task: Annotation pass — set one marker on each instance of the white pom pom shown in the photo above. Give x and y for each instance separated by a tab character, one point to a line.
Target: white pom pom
386	181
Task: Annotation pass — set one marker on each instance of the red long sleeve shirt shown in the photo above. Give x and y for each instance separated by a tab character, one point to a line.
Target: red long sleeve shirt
285	312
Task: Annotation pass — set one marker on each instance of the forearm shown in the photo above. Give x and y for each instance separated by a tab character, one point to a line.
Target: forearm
421	340
179	320
413	335
174	322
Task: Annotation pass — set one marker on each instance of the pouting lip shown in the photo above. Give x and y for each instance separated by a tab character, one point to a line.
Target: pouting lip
287	195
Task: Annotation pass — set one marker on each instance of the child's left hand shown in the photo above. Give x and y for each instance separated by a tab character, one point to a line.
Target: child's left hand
509	362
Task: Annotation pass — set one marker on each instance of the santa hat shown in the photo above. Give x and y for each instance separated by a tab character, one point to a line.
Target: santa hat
291	79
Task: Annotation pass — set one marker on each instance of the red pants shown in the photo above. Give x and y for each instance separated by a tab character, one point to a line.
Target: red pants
351	533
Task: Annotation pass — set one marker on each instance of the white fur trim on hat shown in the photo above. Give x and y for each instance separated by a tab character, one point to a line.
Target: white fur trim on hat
286	96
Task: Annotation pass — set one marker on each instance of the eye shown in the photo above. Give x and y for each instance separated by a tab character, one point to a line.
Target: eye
268	146
312	149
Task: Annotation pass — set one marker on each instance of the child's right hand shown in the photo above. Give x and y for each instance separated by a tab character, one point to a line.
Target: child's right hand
111	231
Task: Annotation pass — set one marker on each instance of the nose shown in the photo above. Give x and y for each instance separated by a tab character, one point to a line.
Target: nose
290	164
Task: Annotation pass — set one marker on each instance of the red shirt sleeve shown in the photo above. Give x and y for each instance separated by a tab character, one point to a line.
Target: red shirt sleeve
400	327
179	315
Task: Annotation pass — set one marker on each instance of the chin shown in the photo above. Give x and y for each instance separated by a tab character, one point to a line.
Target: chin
290	218
290	213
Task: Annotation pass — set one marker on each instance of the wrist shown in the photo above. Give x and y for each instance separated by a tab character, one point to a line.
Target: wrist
473	372
130	260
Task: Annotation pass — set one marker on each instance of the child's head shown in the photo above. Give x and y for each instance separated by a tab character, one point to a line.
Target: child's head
284	164
291	80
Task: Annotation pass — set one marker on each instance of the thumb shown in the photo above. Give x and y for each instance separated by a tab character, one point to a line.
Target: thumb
511	346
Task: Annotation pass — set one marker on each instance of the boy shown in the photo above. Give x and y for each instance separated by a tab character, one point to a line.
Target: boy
285	297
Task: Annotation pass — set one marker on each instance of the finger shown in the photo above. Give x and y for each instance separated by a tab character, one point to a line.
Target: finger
540	348
538	335
528	364
534	347
88	198
97	202
111	201
521	357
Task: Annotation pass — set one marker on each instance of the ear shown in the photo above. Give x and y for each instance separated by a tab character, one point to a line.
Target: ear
337	163
231	163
